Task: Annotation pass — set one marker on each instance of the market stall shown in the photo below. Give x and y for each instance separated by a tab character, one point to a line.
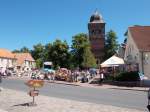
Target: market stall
112	65
112	61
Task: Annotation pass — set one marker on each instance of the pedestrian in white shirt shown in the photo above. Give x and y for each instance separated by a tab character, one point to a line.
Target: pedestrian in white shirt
101	76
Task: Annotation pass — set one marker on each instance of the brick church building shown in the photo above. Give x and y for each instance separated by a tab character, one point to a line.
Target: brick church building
96	28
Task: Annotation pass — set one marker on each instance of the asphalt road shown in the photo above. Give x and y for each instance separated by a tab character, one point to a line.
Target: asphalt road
120	98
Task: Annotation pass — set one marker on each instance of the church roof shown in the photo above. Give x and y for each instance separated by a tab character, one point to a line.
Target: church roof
96	18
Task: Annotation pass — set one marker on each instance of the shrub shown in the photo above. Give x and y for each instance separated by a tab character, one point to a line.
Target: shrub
127	76
109	78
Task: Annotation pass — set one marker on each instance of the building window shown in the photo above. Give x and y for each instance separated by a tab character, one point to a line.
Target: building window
92	32
100	31
146	58
2	60
135	58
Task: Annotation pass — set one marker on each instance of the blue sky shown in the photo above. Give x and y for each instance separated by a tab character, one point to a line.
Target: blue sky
28	22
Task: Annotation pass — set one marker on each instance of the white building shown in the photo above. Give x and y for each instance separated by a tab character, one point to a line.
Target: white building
138	48
25	61
7	59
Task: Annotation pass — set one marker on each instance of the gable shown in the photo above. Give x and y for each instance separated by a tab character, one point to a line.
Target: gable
141	37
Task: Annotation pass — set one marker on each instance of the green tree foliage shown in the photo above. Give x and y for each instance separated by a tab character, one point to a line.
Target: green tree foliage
38	54
37	51
16	51
111	44
39	63
88	58
47	52
128	76
79	43
24	50
81	51
59	54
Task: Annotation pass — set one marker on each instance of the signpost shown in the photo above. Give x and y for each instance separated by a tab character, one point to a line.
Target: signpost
34	84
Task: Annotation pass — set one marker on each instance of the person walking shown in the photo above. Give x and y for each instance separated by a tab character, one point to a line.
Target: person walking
101	76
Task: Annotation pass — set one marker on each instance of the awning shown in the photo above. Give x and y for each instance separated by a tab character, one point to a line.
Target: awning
113	61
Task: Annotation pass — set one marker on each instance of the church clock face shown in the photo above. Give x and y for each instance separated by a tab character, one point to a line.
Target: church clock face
96	28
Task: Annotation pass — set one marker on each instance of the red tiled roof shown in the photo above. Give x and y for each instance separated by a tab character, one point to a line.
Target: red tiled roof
21	57
4	53
141	36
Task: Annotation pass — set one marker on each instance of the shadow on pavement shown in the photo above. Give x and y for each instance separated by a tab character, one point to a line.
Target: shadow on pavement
23	104
26	104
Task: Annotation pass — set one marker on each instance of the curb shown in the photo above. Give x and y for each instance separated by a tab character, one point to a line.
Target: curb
102	86
56	82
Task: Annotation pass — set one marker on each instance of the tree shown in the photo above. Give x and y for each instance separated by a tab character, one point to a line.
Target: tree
59	54
47	52
125	40
38	54
16	51
39	63
111	44
24	50
37	51
79	43
88	58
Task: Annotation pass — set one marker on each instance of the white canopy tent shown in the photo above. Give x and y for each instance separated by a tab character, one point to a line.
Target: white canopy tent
112	61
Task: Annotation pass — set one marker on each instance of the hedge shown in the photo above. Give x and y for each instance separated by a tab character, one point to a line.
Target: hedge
127	76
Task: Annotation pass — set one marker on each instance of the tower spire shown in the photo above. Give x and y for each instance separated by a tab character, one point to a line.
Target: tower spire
96	12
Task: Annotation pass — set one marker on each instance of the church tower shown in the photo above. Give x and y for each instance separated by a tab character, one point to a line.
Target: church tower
96	28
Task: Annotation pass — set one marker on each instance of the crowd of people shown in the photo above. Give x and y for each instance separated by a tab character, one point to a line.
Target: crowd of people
64	74
6	72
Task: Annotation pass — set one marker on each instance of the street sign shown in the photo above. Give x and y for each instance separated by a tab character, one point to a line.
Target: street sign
34	93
